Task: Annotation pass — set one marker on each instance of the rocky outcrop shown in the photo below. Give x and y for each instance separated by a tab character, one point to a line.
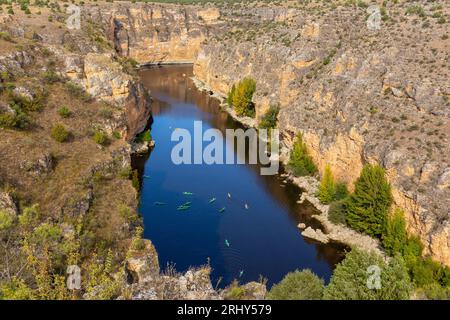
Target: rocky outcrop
7	204
104	79
146	282
43	164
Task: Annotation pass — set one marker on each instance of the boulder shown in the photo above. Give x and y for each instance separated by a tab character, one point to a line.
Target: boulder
143	265
315	234
42	165
8	204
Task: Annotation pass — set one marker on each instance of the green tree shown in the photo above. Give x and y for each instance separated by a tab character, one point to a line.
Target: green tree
327	187
351	278
269	120
241	95
394	236
298	285
300	161
367	207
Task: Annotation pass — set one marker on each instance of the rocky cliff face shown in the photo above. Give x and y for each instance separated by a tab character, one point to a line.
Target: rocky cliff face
357	95
156	33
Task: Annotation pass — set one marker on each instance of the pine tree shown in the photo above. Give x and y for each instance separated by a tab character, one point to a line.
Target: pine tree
241	95
300	161
367	207
327	188
395	237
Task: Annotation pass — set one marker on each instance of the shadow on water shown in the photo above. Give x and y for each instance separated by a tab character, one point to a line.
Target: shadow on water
238	243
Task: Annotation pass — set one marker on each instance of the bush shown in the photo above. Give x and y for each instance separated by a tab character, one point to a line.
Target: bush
367	207
116	135
18	119
300	162
51	76
269	120
6	220
59	133
135	179
240	97
298	285
77	91
144	137
5	36
235	291
15	289
351	278
106	113
100	138
64	112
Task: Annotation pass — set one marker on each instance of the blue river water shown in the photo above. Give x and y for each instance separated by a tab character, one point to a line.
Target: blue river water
256	235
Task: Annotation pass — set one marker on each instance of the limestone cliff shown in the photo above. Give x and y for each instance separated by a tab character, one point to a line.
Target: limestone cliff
156	33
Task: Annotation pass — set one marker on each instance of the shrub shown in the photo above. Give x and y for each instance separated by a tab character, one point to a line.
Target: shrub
298	285
127	213
135	179
77	91
235	291
6	220
59	133
64	112
116	135
351	278
51	76
300	162
416	9
5	36
129	65
106	113
100	138
367	207
18	119
269	120
144	136
241	96
16	289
